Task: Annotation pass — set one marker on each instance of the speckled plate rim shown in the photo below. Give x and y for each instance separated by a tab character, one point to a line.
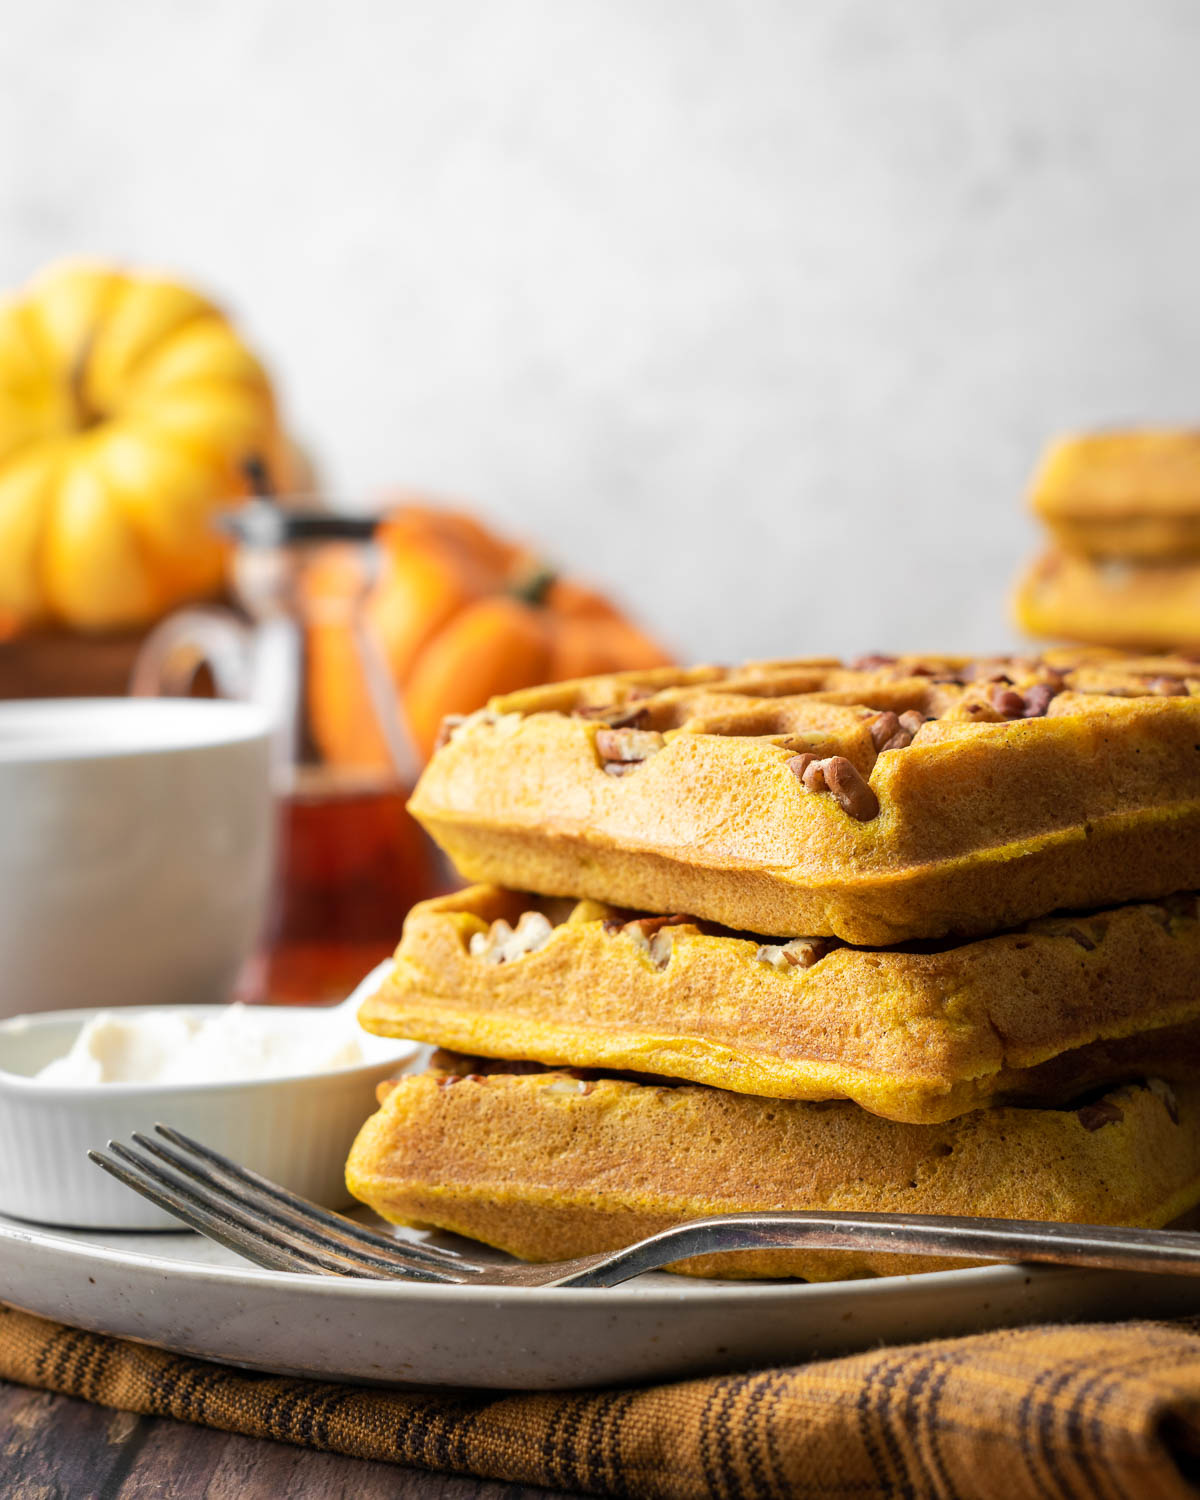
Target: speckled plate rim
186	1295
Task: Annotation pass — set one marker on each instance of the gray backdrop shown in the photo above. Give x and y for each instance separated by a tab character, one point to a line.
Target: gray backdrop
758	312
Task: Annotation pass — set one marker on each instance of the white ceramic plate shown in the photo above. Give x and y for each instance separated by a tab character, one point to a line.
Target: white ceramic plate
190	1296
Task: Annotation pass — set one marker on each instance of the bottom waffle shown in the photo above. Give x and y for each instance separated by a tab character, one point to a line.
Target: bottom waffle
1144	606
552	1164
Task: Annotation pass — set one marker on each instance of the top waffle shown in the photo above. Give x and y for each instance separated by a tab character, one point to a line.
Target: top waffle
895	798
1123	494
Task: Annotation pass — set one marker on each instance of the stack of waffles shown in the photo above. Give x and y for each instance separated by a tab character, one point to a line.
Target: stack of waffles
1123	566
792	947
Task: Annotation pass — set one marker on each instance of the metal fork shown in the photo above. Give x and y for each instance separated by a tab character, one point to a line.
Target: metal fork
272	1227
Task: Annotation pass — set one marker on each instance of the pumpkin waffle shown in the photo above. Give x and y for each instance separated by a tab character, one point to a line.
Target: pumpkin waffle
1141	606
552	1165
920	1035
1132	495
896	798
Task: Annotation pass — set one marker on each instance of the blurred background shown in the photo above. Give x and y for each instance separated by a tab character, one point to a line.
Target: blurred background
757	314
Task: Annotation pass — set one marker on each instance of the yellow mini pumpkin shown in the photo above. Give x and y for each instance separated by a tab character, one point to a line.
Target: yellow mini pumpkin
127	407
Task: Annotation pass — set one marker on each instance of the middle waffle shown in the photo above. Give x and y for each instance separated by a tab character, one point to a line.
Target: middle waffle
921	1033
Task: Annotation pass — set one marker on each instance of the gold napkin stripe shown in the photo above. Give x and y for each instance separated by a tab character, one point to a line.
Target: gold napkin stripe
1087	1411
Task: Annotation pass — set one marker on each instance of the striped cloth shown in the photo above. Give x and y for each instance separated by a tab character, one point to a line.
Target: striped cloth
1098	1411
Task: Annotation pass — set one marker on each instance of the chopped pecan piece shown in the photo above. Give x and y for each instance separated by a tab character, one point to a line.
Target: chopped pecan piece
562	1083
869	662
907	725
446	729
1166	1093
659	948
845	781
840	776
1096	1116
455	725
652	935
1168	687
616	716
622	750
1038	699
884	727
799	764
501	943
1007	702
800	953
985	671
648	925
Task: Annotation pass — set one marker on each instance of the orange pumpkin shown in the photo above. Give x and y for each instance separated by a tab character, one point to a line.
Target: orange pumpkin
460	616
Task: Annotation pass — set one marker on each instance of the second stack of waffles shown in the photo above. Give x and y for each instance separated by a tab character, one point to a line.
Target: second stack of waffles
790	949
1122	564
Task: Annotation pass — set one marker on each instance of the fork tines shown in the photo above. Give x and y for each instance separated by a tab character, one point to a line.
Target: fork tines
264	1222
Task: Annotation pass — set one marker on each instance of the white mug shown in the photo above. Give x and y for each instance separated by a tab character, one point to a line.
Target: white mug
135	850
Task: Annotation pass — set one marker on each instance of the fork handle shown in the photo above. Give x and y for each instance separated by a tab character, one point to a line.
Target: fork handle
1101	1246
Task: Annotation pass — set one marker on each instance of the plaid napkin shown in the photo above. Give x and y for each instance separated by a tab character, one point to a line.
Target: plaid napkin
1099	1410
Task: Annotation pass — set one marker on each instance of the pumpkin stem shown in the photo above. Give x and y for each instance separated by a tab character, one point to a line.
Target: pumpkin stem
85	415
533	585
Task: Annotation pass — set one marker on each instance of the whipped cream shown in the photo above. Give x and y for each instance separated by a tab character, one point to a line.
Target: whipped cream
236	1043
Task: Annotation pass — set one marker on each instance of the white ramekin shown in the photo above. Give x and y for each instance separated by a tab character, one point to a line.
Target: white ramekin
296	1131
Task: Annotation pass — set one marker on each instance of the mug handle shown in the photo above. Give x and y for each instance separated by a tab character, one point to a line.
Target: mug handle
177	648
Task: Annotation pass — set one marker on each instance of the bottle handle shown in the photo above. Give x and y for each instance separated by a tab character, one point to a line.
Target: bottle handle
174	652
384	701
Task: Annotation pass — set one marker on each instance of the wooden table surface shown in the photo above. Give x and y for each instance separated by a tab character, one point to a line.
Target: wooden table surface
55	1448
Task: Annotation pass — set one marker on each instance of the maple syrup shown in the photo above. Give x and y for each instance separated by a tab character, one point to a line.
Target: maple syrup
351	862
